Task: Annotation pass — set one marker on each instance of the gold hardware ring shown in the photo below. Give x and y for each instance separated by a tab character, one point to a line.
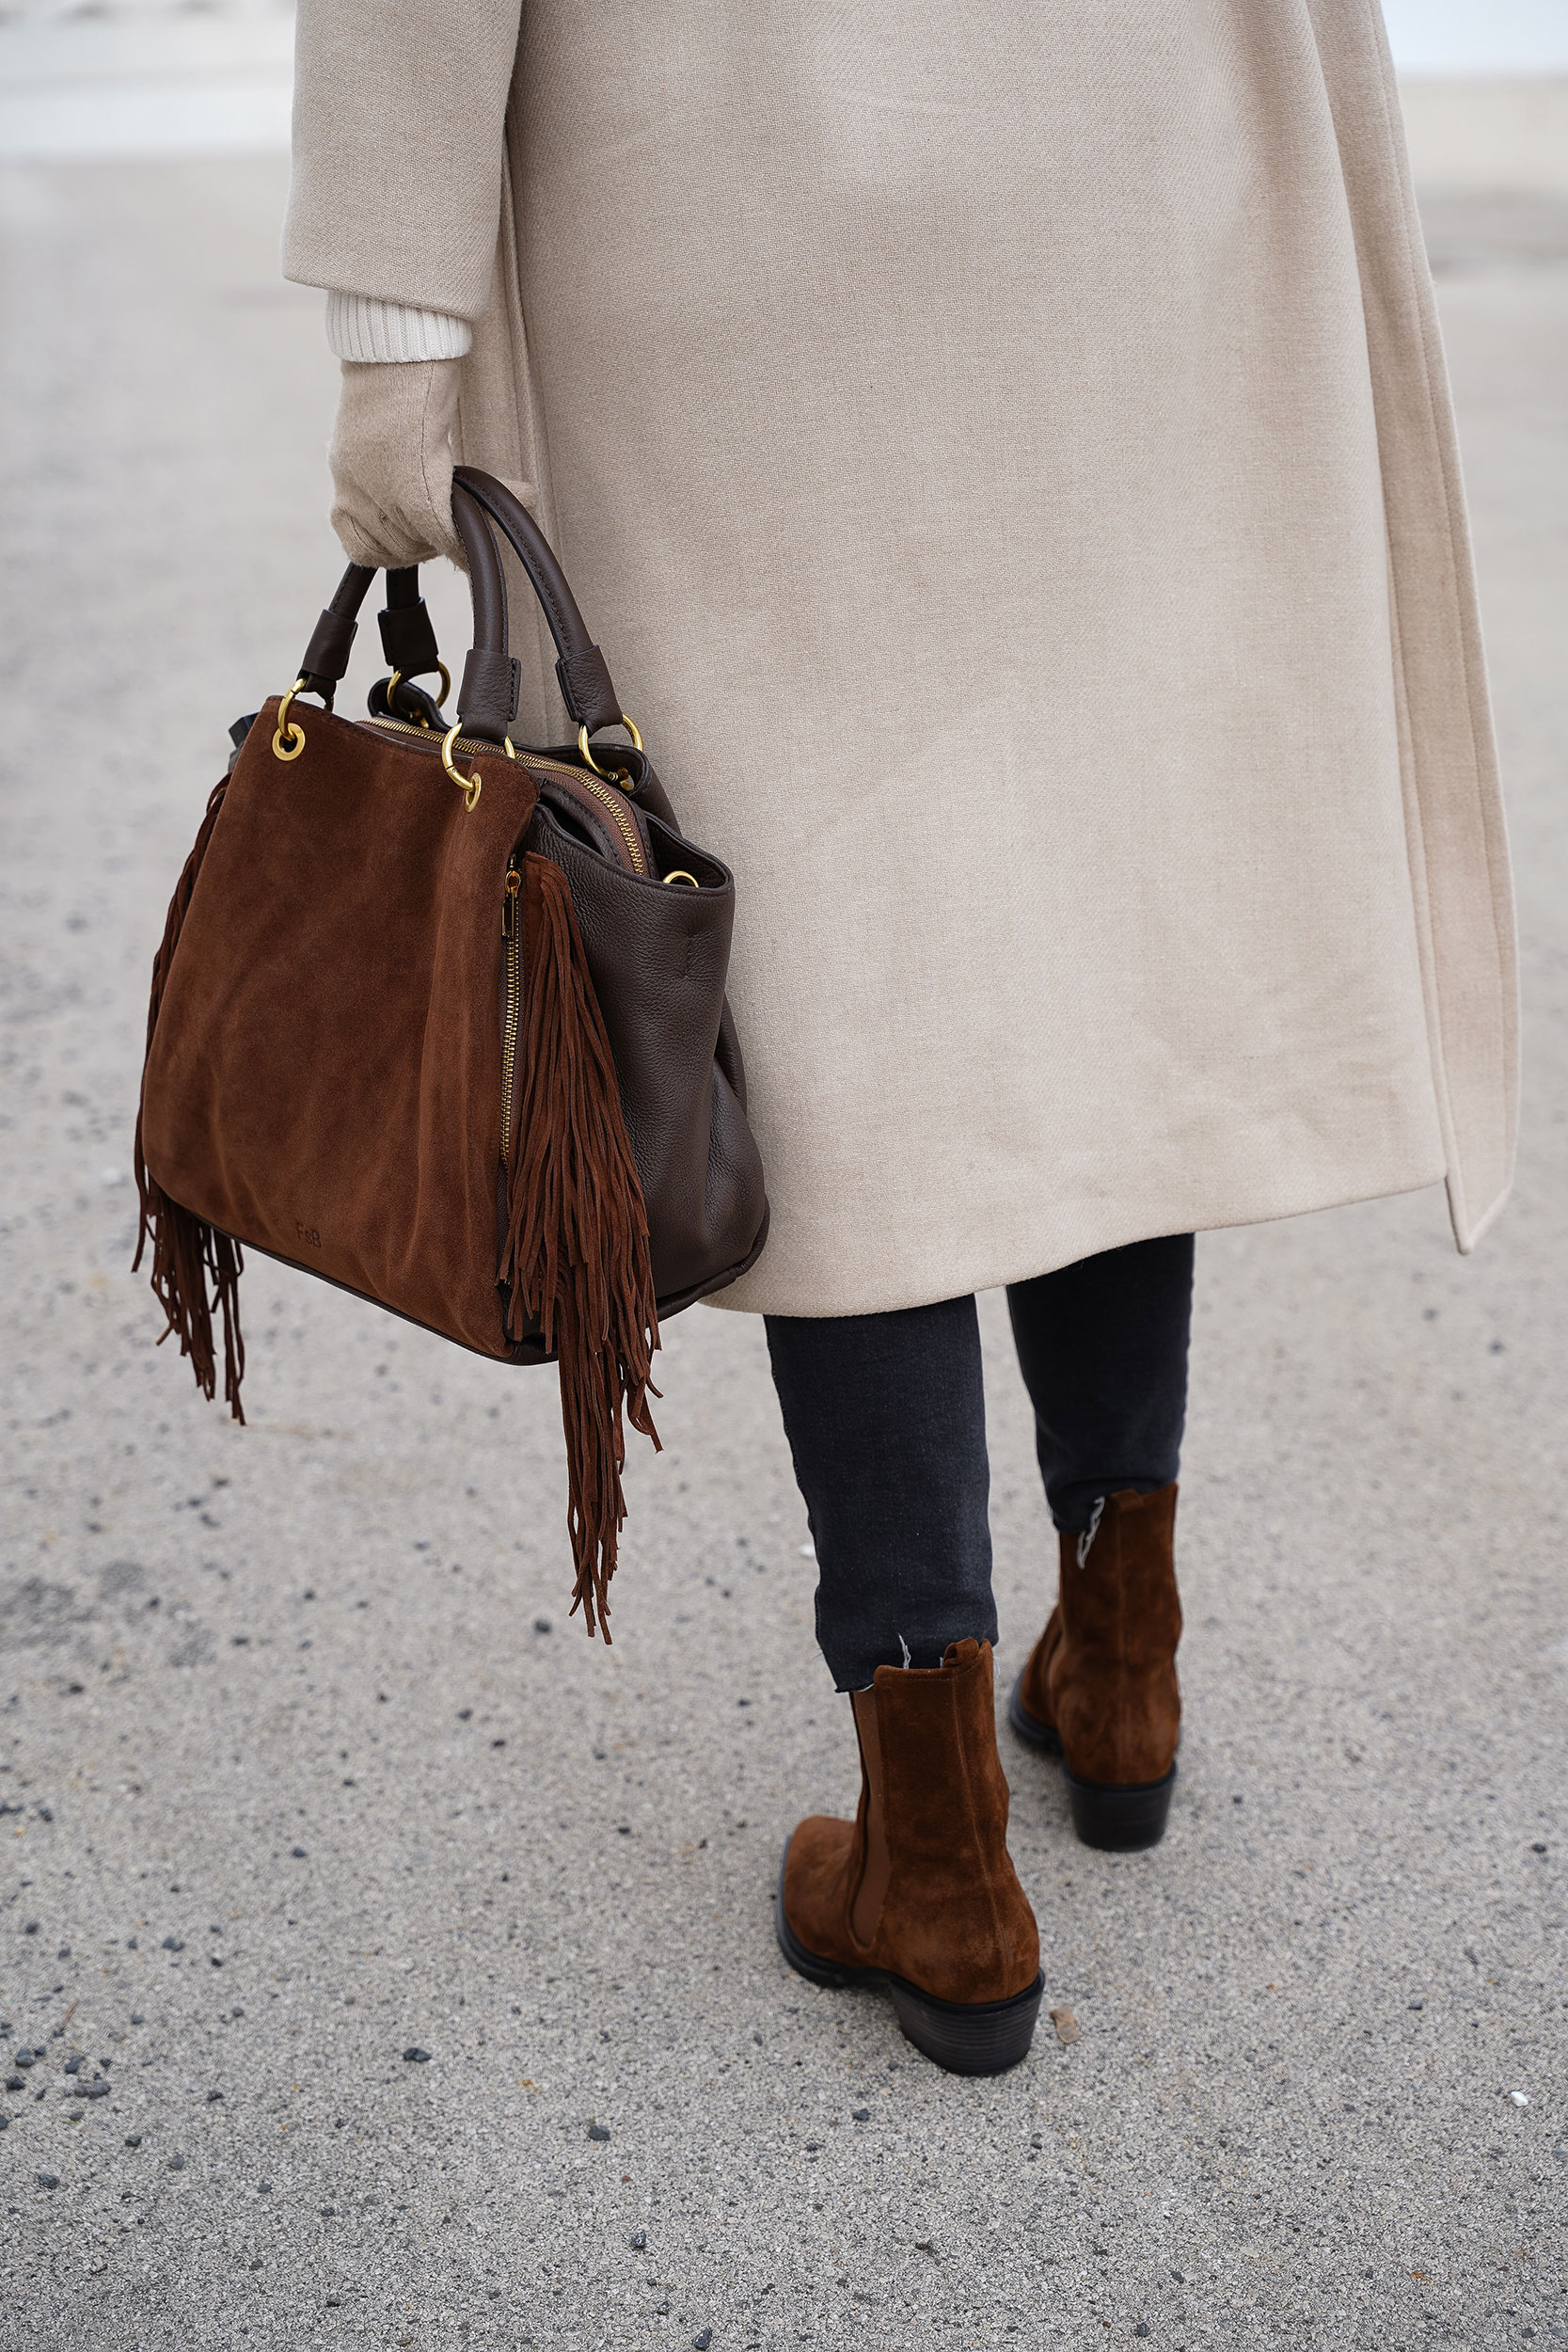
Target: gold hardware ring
392	684
680	874
396	678
287	737
468	786
609	775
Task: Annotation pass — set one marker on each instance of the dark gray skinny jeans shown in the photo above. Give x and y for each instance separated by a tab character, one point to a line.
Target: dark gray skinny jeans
886	1420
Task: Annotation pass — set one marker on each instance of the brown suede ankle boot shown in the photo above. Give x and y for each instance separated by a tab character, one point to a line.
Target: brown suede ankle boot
1100	1688
918	1894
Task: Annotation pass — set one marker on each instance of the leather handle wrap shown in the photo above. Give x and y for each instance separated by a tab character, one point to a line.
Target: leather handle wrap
487	698
407	632
325	657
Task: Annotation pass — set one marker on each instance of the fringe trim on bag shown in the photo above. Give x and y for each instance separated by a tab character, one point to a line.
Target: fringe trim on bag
194	1267
576	1244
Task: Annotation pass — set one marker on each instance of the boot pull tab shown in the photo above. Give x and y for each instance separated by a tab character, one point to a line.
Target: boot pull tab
1086	1539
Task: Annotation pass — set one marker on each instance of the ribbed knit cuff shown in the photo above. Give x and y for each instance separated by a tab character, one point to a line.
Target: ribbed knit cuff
358	328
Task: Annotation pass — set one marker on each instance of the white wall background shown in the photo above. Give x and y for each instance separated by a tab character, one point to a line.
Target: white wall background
1454	37
99	78
1428	36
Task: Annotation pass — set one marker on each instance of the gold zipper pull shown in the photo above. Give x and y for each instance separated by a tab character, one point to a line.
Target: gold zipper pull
509	910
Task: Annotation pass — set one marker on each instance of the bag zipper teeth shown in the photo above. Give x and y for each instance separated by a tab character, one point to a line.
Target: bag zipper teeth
612	802
602	793
514	1006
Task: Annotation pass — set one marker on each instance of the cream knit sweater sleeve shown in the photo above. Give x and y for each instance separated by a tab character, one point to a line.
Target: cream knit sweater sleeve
358	327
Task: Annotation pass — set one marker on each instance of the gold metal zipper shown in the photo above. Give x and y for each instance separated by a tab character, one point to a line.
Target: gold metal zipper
614	802
475	745
606	798
511	932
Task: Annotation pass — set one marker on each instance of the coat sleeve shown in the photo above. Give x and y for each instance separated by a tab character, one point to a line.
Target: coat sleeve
399	127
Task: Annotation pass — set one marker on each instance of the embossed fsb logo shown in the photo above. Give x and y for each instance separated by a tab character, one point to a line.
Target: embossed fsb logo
309	1233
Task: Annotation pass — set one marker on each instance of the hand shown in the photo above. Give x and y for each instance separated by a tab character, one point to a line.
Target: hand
391	461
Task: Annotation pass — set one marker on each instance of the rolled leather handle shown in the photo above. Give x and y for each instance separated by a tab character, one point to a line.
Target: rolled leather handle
586	688
487	696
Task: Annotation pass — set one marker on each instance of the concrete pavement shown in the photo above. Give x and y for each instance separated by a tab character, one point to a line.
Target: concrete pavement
303	1768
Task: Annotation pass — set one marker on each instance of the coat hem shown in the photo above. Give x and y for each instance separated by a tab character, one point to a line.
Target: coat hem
987	1274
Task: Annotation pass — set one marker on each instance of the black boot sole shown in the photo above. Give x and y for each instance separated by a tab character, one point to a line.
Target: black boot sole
965	2037
1116	1818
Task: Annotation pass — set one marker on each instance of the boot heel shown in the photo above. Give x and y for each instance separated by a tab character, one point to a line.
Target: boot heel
968	2037
1121	1821
1028	1728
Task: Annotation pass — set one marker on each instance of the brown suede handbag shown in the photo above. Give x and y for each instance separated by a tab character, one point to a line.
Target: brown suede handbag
442	1020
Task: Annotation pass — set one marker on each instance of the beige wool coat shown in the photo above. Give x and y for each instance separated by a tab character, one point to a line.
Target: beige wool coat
1003	448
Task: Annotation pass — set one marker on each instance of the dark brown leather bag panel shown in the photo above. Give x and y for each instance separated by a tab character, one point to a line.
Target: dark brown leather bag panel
659	957
349	902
